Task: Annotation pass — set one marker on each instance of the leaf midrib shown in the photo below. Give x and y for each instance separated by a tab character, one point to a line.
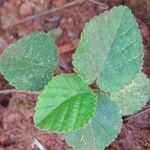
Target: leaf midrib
113	41
49	114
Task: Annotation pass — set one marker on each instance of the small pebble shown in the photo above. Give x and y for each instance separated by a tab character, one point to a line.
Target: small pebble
3	44
25	9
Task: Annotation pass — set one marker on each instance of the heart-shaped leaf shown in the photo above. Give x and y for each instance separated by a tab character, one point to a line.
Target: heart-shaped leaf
29	63
101	131
66	104
110	50
134	96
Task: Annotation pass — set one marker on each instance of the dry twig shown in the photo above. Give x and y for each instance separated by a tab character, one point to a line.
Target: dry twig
52	10
69	47
37	144
102	5
46	12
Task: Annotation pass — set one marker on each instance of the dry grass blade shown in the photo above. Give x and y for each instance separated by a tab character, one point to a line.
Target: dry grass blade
37	144
102	5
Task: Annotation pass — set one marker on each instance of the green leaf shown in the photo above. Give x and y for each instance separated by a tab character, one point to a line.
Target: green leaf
110	50
55	33
134	96
29	63
66	104
102	130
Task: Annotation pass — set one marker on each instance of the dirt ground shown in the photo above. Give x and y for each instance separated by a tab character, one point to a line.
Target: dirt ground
16	110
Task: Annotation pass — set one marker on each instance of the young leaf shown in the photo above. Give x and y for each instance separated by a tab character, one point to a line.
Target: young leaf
29	63
110	50
134	96
100	132
66	104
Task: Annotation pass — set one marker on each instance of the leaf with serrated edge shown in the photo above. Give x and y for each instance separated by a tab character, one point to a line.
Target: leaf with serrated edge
66	104
110	50
101	131
134	96
29	63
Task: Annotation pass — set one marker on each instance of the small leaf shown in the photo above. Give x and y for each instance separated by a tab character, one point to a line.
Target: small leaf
66	104
29	63
55	33
110	50
102	130
134	96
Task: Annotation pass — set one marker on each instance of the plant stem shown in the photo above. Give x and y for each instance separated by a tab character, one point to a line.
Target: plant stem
10	91
105	93
137	114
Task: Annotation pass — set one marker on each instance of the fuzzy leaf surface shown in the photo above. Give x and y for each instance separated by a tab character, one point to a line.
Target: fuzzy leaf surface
134	96
66	104
29	63
110	50
101	131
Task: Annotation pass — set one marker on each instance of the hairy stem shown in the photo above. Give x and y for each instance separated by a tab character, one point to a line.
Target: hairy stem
137	114
10	91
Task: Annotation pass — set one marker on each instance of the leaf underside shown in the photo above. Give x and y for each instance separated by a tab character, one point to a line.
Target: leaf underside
134	96
100	132
110	50
66	103
29	63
